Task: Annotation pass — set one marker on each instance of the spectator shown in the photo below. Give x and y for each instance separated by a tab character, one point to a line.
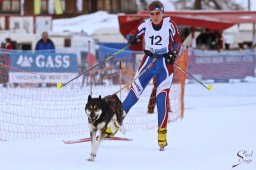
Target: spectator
202	40
4	62
219	40
254	41
212	42
8	44
45	43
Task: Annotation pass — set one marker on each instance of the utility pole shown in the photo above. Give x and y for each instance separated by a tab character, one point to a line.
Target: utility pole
249	5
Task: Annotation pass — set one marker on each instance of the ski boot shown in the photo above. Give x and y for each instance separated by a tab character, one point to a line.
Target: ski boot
111	131
162	138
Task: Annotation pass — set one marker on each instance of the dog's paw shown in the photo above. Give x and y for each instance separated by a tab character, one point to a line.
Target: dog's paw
92	157
122	129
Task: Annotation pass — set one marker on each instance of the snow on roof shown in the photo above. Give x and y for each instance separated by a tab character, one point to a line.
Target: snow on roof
86	23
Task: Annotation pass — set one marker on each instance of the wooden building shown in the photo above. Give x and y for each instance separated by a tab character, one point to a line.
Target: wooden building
70	8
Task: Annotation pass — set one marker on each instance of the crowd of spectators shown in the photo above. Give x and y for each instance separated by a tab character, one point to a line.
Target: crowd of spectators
214	40
44	44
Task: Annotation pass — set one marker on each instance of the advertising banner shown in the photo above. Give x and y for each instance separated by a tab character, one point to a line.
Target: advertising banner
42	67
43	62
222	65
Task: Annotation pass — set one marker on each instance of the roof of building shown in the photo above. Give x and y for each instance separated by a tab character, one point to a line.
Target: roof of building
215	20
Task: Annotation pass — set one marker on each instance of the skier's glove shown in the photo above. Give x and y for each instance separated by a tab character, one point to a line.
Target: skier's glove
133	39
148	53
170	56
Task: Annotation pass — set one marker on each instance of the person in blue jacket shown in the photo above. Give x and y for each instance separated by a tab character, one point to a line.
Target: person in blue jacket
45	43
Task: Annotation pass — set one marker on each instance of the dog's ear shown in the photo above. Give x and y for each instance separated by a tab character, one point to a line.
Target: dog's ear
100	97
89	97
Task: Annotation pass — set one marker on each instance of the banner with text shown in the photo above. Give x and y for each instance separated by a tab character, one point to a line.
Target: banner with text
222	65
42	67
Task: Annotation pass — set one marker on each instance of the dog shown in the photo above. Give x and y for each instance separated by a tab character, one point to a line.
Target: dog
103	113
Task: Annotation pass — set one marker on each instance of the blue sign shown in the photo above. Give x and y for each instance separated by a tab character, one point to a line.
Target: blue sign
43	62
107	49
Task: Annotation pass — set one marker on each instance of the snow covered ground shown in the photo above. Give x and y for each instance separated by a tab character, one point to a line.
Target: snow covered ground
218	125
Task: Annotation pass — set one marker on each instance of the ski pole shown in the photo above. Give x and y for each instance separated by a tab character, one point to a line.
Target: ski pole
208	87
60	85
128	84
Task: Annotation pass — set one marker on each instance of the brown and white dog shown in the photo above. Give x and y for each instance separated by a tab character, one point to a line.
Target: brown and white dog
102	113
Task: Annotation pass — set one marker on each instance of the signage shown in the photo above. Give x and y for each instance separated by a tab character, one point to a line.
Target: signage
42	67
222	65
43	62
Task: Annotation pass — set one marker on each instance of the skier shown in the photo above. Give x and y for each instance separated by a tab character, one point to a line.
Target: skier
162	40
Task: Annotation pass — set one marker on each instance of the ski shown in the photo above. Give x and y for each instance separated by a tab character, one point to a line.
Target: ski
89	139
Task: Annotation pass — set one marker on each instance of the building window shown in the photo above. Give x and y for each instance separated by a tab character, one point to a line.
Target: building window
11	6
108	6
101	5
115	6
63	4
15	6
47	7
44	6
6	6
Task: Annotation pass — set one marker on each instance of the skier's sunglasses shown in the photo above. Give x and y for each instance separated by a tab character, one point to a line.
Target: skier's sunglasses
154	13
